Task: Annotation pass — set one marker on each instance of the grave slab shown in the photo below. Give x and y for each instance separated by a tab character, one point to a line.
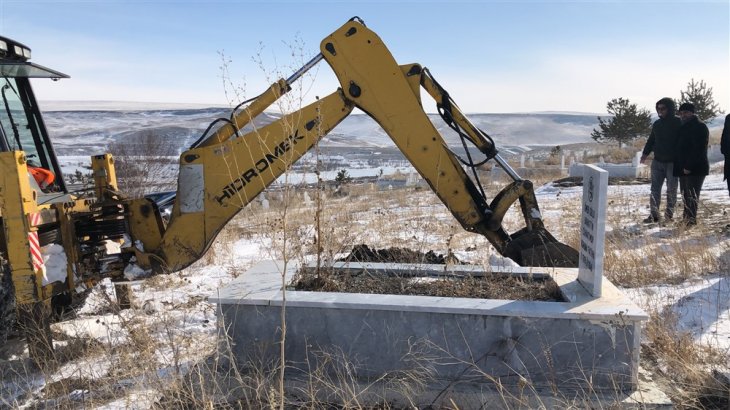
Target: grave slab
581	344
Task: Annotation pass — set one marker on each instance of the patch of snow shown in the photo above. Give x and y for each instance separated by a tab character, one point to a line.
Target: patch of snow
547	189
132	272
112	247
107	329
497	260
54	258
99	298
704	311
136	400
702	307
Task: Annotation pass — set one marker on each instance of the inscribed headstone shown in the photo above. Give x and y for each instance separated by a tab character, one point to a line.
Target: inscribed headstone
592	228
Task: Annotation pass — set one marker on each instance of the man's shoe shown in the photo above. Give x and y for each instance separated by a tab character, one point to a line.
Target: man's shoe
651	220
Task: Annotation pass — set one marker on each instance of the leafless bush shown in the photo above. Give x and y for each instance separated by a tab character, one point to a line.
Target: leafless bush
683	366
145	163
153	354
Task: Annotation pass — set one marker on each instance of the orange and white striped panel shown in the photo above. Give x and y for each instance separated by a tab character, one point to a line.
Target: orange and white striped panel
34	218
35	252
35	245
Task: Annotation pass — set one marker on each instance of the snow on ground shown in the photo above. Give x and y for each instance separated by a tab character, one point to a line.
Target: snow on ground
701	304
80	165
171	312
702	307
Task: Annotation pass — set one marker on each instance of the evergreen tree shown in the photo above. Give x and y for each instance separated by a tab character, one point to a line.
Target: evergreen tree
700	95
342	178
628	123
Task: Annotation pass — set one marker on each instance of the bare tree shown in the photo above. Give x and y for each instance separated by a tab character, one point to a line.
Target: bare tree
145	163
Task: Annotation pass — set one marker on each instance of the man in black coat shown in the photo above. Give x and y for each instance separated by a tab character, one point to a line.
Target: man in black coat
691	164
725	148
663	142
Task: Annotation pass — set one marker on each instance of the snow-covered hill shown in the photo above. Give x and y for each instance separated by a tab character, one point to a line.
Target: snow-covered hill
84	132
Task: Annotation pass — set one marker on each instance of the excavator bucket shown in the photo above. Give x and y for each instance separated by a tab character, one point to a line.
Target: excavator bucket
532	245
539	248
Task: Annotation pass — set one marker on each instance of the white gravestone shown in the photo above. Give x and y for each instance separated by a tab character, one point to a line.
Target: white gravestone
637	159
592	228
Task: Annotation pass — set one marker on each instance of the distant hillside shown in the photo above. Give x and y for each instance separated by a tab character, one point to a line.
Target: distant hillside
86	132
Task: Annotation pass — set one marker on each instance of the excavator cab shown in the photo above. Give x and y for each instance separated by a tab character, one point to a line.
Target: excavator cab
21	124
32	187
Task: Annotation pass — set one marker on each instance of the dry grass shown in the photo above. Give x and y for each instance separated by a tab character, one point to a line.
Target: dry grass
715	137
682	367
487	287
155	354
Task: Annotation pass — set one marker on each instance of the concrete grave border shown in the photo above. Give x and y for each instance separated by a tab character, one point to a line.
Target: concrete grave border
583	343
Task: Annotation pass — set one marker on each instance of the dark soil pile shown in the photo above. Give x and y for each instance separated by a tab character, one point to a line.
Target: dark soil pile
363	253
497	286
568	182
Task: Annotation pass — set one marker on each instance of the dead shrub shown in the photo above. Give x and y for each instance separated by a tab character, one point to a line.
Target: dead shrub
145	163
683	364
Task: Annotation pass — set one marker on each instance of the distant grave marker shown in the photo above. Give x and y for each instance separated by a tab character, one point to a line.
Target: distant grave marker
593	228
637	159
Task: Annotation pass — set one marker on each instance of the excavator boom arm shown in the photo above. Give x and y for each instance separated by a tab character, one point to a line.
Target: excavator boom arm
221	174
217	181
371	78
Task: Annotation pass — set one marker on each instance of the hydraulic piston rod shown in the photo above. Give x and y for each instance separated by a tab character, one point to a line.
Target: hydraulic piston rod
508	169
258	105
306	67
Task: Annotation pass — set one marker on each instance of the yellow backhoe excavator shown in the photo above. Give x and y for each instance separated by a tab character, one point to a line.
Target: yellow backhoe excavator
223	171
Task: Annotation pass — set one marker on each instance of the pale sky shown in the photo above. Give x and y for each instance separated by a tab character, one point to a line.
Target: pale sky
492	56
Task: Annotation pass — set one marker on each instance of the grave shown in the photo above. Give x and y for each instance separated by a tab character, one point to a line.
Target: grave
586	343
634	169
583	343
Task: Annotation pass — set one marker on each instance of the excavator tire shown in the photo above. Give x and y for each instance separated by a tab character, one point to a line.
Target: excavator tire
540	248
63	304
7	301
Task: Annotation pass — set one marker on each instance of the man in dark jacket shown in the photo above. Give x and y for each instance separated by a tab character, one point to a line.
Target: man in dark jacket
725	148
691	165
663	141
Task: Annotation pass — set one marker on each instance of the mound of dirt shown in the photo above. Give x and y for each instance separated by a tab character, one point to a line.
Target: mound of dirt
568	182
363	253
498	286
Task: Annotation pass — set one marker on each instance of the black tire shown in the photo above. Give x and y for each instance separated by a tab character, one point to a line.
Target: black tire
49	236
7	302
